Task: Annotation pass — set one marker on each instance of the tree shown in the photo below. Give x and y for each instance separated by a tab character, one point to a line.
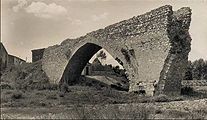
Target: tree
101	55
205	71
188	73
116	69
198	70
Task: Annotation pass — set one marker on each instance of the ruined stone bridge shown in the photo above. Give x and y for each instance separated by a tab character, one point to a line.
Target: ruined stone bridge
151	47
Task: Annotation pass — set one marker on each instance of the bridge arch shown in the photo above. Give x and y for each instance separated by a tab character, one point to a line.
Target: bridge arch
152	46
78	61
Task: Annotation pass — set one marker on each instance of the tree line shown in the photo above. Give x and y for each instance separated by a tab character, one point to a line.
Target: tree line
196	70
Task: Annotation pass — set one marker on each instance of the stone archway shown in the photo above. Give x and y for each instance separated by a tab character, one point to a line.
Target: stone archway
78	61
152	47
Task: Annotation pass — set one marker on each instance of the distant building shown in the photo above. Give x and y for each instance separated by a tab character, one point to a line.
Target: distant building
7	60
3	57
37	54
96	68
14	61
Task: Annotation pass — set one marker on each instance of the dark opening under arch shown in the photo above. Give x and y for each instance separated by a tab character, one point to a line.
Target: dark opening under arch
78	61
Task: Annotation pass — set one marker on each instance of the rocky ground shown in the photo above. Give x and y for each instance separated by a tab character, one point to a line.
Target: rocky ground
27	93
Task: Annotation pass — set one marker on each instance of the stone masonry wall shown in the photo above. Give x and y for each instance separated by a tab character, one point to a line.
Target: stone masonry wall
145	45
194	83
176	62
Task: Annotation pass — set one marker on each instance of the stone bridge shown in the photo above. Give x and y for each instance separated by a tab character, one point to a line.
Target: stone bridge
151	47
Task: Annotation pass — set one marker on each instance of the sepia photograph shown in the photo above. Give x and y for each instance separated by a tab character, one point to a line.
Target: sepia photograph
103	59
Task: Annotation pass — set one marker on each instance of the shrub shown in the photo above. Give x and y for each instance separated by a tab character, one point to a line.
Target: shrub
186	90
61	94
52	96
43	104
158	111
161	98
16	95
64	88
6	86
53	87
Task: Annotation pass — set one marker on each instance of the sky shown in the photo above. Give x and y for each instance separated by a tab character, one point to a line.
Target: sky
32	24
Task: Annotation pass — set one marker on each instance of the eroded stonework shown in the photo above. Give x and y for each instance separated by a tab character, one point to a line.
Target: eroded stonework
152	47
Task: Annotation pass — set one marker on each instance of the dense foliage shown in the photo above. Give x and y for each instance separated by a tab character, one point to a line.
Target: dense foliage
196	70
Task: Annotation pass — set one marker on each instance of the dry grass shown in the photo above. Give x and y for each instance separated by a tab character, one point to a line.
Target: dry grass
77	95
81	112
110	111
199	114
28	86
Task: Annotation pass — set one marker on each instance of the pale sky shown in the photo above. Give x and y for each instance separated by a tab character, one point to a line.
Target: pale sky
32	24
